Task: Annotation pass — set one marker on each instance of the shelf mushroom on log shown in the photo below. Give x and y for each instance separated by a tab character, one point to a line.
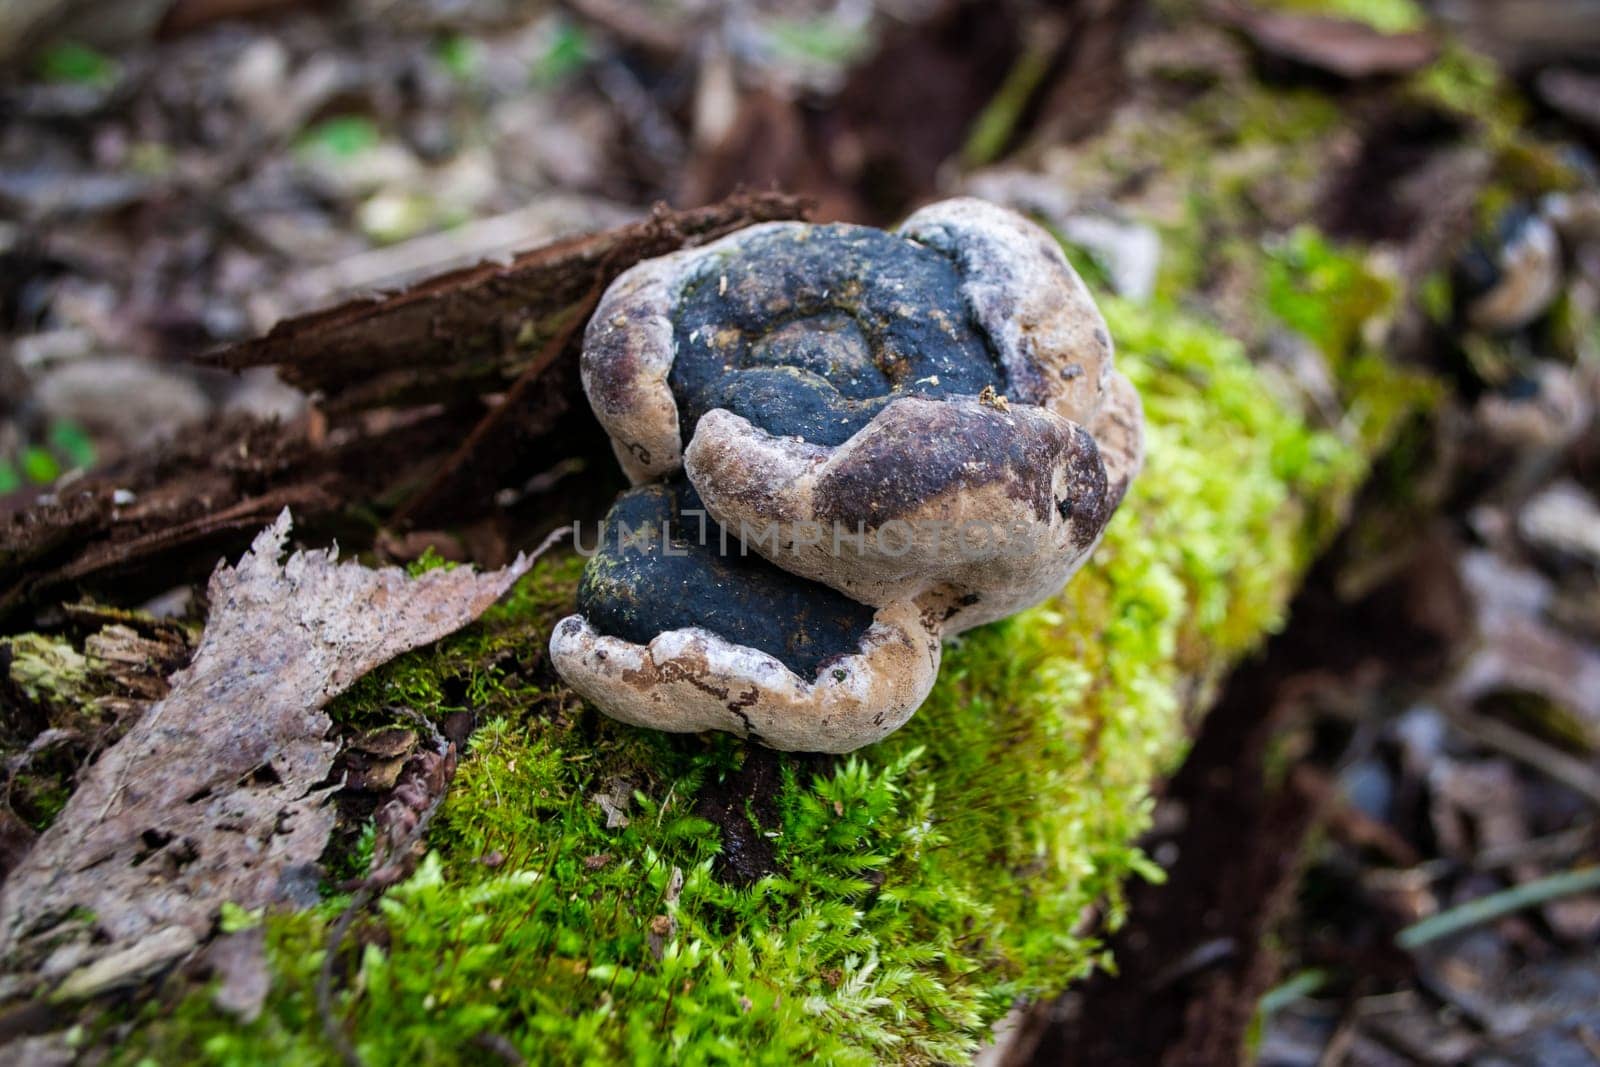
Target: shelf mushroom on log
679	633
883	439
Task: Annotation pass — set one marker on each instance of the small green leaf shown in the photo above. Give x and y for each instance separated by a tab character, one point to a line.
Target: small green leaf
10	480
462	56
819	40
341	137
1296	987
76	64
69	439
1385	16
39	465
569	51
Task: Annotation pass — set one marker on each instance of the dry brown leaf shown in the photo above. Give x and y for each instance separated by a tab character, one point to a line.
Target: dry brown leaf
218	793
1519	652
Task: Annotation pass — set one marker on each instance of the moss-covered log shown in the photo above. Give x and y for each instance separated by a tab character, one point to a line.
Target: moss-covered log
595	891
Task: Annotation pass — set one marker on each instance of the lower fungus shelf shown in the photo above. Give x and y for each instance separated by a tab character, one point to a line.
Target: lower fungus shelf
662	564
580	902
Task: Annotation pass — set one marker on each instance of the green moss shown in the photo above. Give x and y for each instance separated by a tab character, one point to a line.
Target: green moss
915	890
50	671
76	64
430	560
1330	295
1470	86
1339	301
490	668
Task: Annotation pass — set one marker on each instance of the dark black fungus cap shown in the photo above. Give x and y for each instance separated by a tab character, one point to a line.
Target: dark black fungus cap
809	332
639	584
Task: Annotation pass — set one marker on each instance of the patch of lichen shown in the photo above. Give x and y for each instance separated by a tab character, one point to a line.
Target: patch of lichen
51	671
49	683
916	889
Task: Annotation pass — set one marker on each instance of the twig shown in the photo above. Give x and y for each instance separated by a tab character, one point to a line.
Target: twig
1337	1049
1498	905
1553	847
1203	956
330	1026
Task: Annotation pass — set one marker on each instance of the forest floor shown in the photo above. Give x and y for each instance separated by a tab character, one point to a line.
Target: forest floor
1381	847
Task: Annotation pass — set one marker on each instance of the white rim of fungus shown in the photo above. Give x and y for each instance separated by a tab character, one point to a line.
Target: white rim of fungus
692	679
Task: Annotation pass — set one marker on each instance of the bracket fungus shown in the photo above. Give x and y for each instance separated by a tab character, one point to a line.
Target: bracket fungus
881	438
